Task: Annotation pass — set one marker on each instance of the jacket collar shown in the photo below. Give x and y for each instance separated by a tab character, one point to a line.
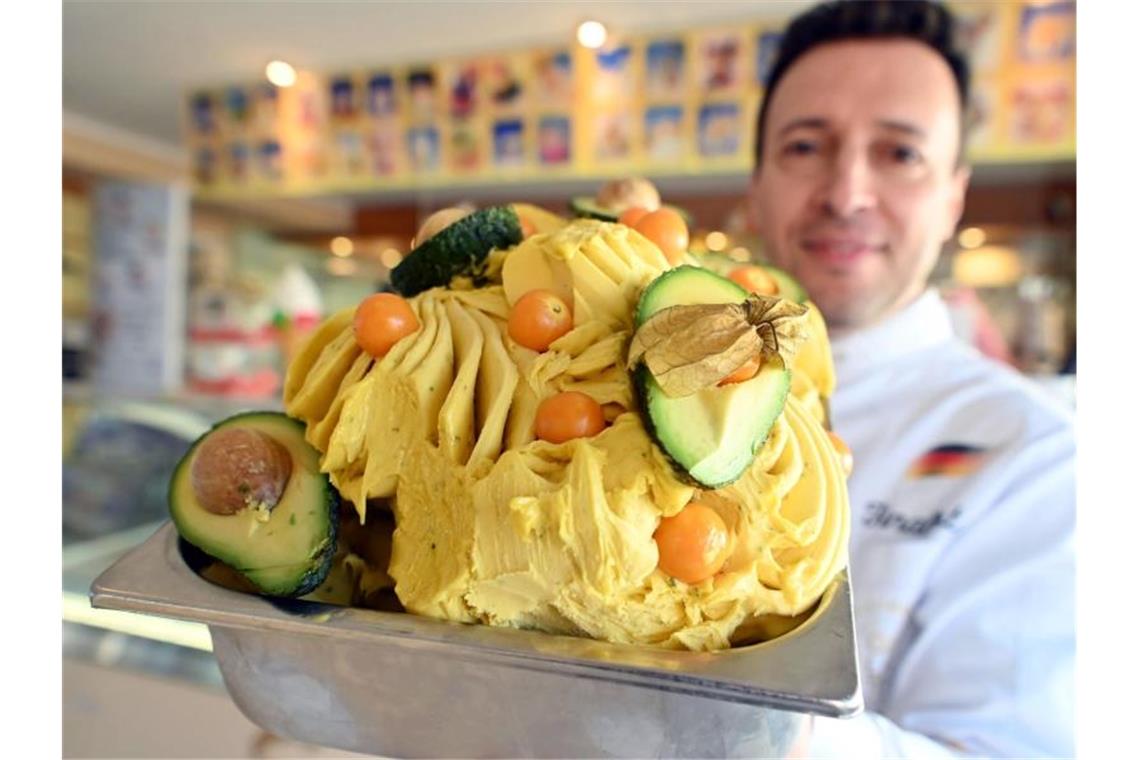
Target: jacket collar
923	324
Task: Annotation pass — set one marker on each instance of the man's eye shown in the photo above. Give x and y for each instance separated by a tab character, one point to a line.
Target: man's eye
904	154
800	148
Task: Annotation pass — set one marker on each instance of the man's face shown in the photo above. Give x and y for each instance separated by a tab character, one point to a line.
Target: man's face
859	186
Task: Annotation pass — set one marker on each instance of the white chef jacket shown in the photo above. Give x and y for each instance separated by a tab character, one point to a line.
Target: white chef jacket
961	554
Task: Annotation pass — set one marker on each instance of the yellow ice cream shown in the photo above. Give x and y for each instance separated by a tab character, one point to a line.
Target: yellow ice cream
494	526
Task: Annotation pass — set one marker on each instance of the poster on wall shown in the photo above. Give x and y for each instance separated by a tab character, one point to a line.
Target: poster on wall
463	93
506	82
423	95
344	98
554	140
613	136
1040	111
664	133
269	162
465	151
236	113
665	69
1047	32
237	164
381	98
982	30
383	146
509	142
720	130
554	80
423	149
265	110
614	83
383	127
203	116
720	58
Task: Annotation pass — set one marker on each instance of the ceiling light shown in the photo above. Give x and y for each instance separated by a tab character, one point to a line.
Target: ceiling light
341	246
280	73
716	241
971	237
739	253
390	258
592	34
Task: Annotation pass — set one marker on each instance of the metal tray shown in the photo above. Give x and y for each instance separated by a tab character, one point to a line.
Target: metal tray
395	684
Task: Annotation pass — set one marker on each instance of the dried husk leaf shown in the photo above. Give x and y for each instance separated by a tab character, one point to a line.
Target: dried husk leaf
688	348
782	325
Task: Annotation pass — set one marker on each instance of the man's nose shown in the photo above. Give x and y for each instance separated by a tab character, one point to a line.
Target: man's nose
849	187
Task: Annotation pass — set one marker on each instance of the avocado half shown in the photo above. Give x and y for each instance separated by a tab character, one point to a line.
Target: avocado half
711	436
284	550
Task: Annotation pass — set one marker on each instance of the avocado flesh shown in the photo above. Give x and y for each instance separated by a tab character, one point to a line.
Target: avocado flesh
711	436
290	552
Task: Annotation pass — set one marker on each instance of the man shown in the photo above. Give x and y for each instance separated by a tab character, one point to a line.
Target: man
962	498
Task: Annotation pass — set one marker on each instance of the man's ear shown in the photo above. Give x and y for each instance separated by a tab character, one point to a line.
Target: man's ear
956	200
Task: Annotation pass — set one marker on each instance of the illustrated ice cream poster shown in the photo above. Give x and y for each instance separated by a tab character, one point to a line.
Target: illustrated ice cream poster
610	104
1040	111
720	130
553	80
508	87
720	62
464	125
555	140
552	86
665	70
384	120
1047	32
424	141
664	131
346	100
983	29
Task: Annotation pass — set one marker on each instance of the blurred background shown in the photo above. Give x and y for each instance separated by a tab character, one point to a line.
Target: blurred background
234	172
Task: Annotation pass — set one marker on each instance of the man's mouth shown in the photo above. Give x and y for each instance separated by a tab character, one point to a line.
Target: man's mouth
840	251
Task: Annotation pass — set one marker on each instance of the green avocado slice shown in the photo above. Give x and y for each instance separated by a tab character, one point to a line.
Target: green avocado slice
461	248
713	435
287	552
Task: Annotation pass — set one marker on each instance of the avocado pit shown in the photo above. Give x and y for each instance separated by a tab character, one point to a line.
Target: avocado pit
238	467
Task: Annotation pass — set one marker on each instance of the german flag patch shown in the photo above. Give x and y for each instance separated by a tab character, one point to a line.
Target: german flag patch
951	459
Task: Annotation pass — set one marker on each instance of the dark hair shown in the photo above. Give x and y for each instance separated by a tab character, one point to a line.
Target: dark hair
839	20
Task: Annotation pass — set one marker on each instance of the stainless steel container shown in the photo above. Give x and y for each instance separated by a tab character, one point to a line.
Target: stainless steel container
399	685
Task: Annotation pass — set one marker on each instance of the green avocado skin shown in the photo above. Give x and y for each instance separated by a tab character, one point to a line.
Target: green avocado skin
460	249
314	566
